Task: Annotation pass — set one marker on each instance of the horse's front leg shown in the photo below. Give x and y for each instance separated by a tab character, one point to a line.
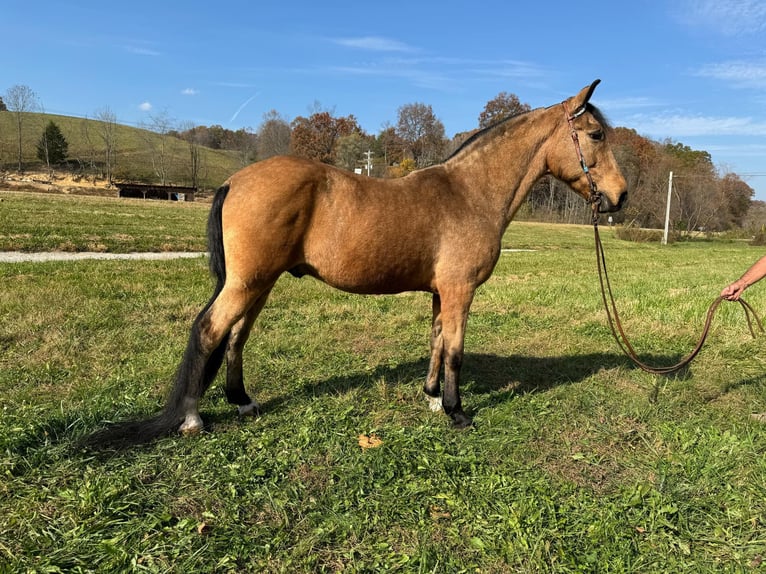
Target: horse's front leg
432	387
454	318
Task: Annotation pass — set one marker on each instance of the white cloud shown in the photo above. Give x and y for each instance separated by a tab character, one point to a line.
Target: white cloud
242	107
189	92
729	18
141	51
445	74
680	125
145	107
374	43
736	73
628	103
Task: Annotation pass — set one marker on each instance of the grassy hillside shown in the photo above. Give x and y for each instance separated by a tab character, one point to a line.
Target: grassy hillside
134	156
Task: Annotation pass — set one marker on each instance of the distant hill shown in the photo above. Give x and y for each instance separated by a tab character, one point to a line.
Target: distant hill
134	161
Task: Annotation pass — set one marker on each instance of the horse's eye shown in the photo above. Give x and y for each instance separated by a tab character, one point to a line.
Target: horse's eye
597	135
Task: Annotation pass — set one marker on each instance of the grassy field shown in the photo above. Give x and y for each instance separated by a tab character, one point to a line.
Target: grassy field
578	461
39	222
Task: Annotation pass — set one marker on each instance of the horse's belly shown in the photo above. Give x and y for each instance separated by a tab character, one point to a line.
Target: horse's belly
368	276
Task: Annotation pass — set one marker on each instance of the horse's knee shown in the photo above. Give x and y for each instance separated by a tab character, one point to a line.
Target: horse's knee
454	360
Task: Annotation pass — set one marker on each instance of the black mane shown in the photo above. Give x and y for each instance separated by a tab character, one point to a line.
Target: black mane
600	118
484	131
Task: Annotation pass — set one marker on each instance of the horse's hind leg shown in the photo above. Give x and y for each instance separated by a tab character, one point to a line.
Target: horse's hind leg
204	353
235	387
432	387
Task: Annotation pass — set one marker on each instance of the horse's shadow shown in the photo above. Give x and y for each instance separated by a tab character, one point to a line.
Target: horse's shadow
487	378
481	374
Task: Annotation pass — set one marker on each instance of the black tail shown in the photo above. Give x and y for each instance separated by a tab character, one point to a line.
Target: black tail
131	433
215	237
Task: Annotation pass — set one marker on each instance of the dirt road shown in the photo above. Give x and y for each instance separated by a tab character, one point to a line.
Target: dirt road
22	257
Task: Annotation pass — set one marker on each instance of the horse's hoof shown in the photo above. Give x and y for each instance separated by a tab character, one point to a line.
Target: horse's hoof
461	421
252	410
192	425
434	403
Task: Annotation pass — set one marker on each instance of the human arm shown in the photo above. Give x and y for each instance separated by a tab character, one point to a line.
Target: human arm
755	273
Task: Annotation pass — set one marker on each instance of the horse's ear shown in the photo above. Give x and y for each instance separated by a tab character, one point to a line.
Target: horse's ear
578	103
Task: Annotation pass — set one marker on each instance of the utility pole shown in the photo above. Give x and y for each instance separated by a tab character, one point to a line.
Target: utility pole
667	209
368	159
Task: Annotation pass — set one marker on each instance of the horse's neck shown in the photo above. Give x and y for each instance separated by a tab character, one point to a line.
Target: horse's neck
502	171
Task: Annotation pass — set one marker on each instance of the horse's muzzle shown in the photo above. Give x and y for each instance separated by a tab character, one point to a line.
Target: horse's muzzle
606	206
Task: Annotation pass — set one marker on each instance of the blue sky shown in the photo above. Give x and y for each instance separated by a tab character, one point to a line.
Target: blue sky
691	71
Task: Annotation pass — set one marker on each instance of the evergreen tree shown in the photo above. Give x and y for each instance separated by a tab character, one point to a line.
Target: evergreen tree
52	147
3	107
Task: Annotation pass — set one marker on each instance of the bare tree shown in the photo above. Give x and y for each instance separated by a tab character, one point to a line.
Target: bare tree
20	99
245	142
107	133
88	163
160	125
273	136
192	135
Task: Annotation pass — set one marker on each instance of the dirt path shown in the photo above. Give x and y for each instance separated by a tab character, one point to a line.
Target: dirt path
22	257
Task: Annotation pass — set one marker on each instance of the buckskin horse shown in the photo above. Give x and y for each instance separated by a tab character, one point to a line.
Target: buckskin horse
437	230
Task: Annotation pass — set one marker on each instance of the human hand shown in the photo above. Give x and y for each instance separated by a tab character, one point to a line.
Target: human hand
733	291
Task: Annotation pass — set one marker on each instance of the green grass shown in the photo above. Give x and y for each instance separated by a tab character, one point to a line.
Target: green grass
578	462
37	222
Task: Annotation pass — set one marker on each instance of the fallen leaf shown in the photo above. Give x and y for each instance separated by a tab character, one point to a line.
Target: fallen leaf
203	528
439	514
371	441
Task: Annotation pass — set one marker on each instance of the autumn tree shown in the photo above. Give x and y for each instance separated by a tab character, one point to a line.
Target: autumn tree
422	132
700	199
20	100
756	216
316	137
213	137
351	152
244	141
273	136
504	105
390	146
738	197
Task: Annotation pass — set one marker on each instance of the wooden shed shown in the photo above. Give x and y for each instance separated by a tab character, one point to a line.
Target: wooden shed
151	191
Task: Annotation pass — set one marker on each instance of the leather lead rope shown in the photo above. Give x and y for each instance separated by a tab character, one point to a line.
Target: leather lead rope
606	289
619	333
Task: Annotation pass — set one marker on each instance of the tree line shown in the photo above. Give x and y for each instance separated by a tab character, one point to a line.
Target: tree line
702	198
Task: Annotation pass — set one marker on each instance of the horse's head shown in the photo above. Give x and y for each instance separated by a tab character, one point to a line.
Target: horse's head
580	154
